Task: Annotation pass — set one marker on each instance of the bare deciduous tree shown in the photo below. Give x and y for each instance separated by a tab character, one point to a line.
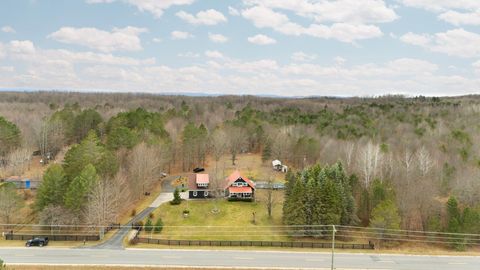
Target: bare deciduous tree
425	161
236	141
369	162
144	168
104	203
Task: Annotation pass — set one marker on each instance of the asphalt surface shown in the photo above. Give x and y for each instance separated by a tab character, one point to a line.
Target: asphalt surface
232	258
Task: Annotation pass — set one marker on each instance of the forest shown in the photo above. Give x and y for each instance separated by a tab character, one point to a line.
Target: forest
392	161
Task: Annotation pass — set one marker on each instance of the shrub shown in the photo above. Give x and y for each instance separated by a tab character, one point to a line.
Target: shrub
151	215
148	225
134	213
176	198
158	226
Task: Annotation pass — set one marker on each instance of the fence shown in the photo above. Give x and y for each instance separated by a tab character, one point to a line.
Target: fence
252	243
56	237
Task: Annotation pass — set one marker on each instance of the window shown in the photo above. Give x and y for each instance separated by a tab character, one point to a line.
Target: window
194	194
206	193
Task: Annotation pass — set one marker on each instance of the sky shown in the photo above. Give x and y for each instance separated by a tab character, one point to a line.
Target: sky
244	47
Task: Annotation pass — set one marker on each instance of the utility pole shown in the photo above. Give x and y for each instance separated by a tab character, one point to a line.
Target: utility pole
333	245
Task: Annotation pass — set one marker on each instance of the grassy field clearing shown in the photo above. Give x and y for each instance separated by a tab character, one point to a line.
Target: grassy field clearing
234	221
250	165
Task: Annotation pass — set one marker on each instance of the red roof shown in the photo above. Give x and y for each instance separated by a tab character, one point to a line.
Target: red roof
202	179
235	176
240	190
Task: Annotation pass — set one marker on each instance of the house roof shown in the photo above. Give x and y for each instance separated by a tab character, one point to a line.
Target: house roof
235	176
202	178
240	190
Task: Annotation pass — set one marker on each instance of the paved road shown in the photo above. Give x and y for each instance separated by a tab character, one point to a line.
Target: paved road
231	258
116	241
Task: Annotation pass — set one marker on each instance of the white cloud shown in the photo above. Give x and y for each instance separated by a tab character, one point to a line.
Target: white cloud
461	12
213	54
416	39
22	47
303	57
180	35
63	69
157	40
459	18
442	5
189	55
343	11
120	39
261	40
156	7
8	29
207	17
7	69
456	42
217	38
233	11
263	17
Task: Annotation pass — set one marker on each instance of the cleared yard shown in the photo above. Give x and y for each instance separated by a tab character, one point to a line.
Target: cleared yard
250	165
234	221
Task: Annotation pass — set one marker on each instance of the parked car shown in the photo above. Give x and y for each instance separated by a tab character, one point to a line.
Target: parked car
197	170
37	241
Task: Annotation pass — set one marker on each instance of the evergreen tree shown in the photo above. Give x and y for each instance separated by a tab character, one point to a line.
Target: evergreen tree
148	225
121	137
90	151
453	211
79	189
84	122
294	206
52	189
158	226
267	151
176	197
385	216
10	137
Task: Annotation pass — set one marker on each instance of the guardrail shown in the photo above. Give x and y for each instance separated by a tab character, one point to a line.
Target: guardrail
252	243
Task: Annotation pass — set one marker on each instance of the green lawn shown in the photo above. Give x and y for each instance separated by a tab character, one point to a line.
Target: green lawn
233	222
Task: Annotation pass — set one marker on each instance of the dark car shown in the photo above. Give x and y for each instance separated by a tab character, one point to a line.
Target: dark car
37	241
197	170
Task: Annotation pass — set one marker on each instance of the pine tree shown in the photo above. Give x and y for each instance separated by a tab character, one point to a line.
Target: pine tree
294	210
158	226
176	197
385	216
267	151
53	187
78	190
148	225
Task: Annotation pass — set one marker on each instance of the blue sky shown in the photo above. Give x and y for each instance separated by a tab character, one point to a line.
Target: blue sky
267	47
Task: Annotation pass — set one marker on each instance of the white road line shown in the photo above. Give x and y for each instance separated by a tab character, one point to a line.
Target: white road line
457	263
243	258
385	261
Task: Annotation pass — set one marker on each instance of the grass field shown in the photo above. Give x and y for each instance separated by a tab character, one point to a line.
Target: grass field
250	165
234	221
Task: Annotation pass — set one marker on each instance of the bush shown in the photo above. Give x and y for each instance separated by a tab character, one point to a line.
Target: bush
148	225
2	265
134	213
158	226
176	198
151	215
